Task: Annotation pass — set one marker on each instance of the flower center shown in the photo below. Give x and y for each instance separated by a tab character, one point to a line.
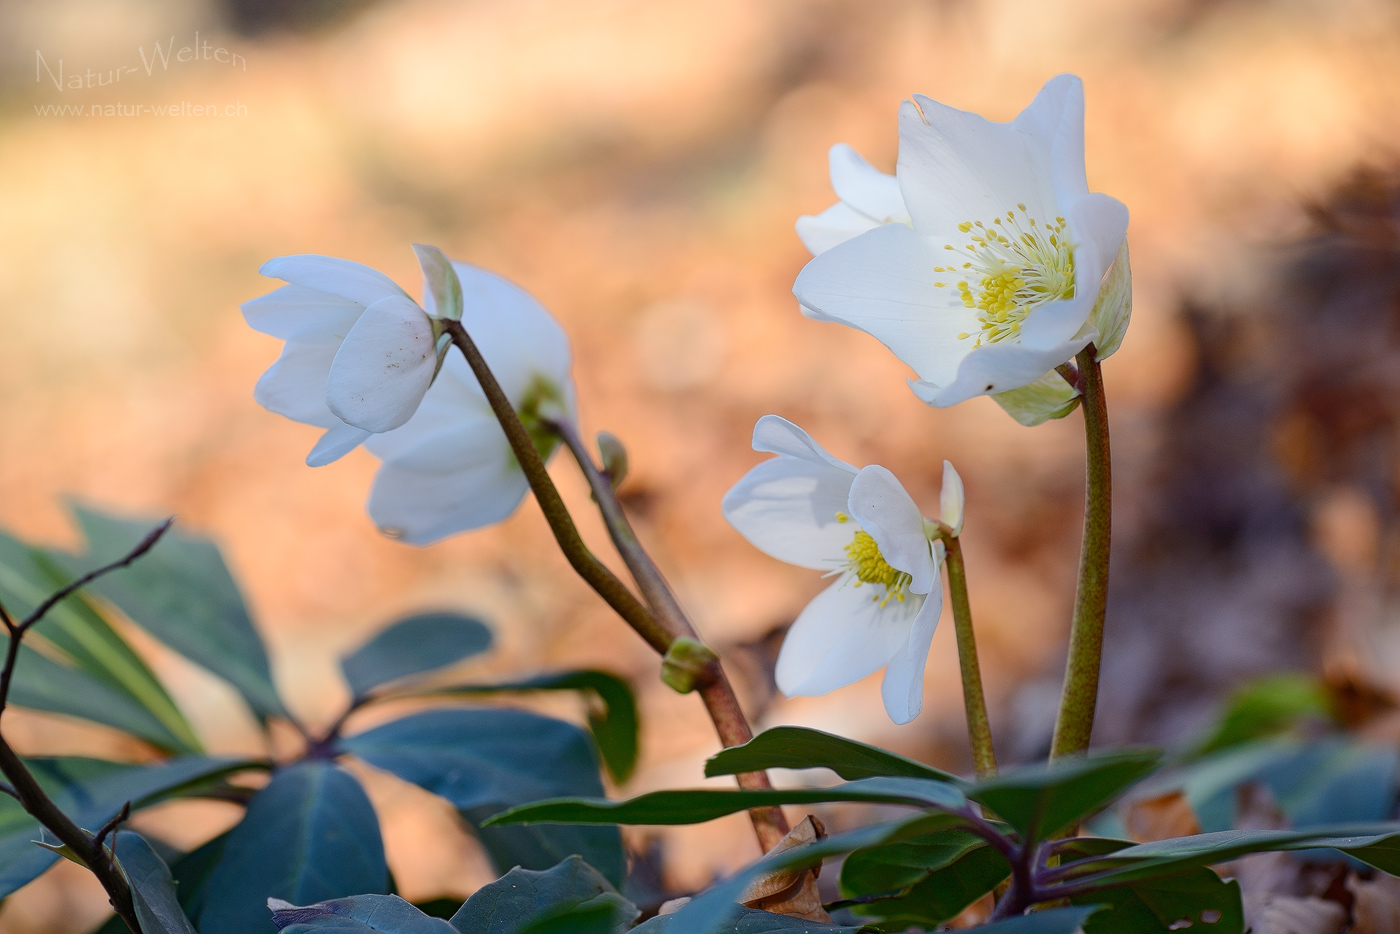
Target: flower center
1018	265
863	559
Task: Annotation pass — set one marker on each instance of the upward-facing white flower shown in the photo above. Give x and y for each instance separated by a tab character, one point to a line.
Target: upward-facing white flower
359	355
807	508
992	284
450	468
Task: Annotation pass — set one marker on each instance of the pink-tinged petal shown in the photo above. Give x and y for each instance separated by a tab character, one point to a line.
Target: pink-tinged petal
956	167
883	283
842	636
1055	122
886	512
340	440
350	280
903	687
296	313
836	224
996	368
864	187
383	367
295	386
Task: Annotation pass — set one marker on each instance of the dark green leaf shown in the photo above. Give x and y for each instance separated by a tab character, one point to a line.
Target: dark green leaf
753	921
795	747
1054	921
413	646
609	915
192	872
931	879
40	683
1266	707
715	910
309	836
703	804
522	895
152	889
612	718
181	592
77	633
487	760
1191	897
361	913
92	791
1040	800
1377	845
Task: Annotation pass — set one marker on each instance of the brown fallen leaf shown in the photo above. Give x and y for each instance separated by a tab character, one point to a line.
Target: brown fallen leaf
1161	818
791	891
1286	914
1377	906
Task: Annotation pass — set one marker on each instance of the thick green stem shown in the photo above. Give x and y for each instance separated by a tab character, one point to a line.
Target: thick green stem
1075	721
979	729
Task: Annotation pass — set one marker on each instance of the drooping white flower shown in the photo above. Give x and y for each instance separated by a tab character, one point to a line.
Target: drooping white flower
991	284
860	526
450	468
868	198
359	355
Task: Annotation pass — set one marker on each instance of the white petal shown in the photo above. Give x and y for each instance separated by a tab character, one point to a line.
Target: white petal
882	282
351	280
903	687
998	367
884	509
836	224
786	507
384	366
518	337
842	636
1055	122
421	507
295	386
864	187
951	500
340	440
453	399
442	292
471	438
296	313
956	166
776	435
814	314
1098	225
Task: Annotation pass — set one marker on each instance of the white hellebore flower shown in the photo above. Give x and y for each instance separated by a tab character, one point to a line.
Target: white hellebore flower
807	508
359	355
991	284
370	365
450	468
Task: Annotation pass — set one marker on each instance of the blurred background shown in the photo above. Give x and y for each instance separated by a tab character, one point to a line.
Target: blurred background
638	165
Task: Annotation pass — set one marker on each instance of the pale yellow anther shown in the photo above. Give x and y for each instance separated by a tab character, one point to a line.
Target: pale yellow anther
863	559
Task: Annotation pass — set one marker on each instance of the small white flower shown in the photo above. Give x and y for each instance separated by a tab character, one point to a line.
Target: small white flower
991	284
359	355
450	468
807	508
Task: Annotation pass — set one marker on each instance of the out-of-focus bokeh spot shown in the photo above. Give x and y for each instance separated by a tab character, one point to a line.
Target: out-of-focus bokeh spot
639	166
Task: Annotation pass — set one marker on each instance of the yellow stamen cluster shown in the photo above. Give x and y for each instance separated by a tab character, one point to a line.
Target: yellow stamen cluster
1017	266
863	559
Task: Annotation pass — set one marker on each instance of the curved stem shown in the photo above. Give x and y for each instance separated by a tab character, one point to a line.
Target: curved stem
1075	722
718	695
594	573
979	730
